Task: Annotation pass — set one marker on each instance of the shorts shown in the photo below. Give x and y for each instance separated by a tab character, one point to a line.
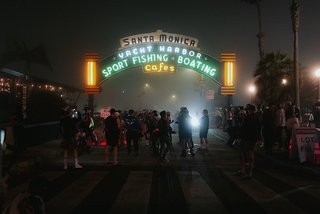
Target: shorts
69	143
112	142
247	145
203	134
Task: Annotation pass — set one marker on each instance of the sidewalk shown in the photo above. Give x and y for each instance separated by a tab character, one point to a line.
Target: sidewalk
30	158
51	151
278	158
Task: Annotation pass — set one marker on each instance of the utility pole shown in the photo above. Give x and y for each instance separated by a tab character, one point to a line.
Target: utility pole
295	18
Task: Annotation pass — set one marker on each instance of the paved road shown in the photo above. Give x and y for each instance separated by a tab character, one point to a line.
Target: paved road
202	184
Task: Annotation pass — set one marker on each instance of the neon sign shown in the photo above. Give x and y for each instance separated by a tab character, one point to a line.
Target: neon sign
160	53
158	36
160	67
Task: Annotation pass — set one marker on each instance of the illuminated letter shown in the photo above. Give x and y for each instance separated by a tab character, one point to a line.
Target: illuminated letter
186	61
115	67
126	42
147	67
161	48
125	62
128	53
134	59
149	48
121	55
143	59
163	38
120	65
212	72
142	50
193	63
161	66
207	69
165	57
135	51
184	51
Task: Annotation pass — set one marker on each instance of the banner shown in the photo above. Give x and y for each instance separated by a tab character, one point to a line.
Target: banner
306	138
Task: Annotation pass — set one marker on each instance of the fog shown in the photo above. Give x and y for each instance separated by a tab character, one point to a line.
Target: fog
128	90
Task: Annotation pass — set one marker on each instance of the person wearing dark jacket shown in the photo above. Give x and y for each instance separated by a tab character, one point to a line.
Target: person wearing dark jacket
250	135
163	125
133	132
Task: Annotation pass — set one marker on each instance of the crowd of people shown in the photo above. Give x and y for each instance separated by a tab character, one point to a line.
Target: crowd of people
248	127
131	126
127	128
265	127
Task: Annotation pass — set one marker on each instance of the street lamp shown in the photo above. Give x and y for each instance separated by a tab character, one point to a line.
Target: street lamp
284	82
252	91
317	74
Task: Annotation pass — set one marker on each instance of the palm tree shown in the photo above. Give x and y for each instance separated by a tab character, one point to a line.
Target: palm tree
260	35
18	53
270	72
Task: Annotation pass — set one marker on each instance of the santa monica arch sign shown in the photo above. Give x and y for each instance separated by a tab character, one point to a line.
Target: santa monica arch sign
161	52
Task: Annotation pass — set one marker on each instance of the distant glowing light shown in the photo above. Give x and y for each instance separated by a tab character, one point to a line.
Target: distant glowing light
195	122
284	81
317	73
252	89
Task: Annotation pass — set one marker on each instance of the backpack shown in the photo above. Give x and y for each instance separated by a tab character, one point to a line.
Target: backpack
20	204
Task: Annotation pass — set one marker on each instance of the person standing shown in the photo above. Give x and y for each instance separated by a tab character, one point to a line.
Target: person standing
163	125
154	132
203	131
281	126
186	133
316	116
133	132
269	128
250	135
68	130
112	132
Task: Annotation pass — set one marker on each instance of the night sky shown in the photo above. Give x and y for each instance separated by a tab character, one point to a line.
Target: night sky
69	29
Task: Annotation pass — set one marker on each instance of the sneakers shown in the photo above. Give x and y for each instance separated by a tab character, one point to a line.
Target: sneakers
77	166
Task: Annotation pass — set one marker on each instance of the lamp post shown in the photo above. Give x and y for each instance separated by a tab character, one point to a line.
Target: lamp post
252	91
295	18
317	74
